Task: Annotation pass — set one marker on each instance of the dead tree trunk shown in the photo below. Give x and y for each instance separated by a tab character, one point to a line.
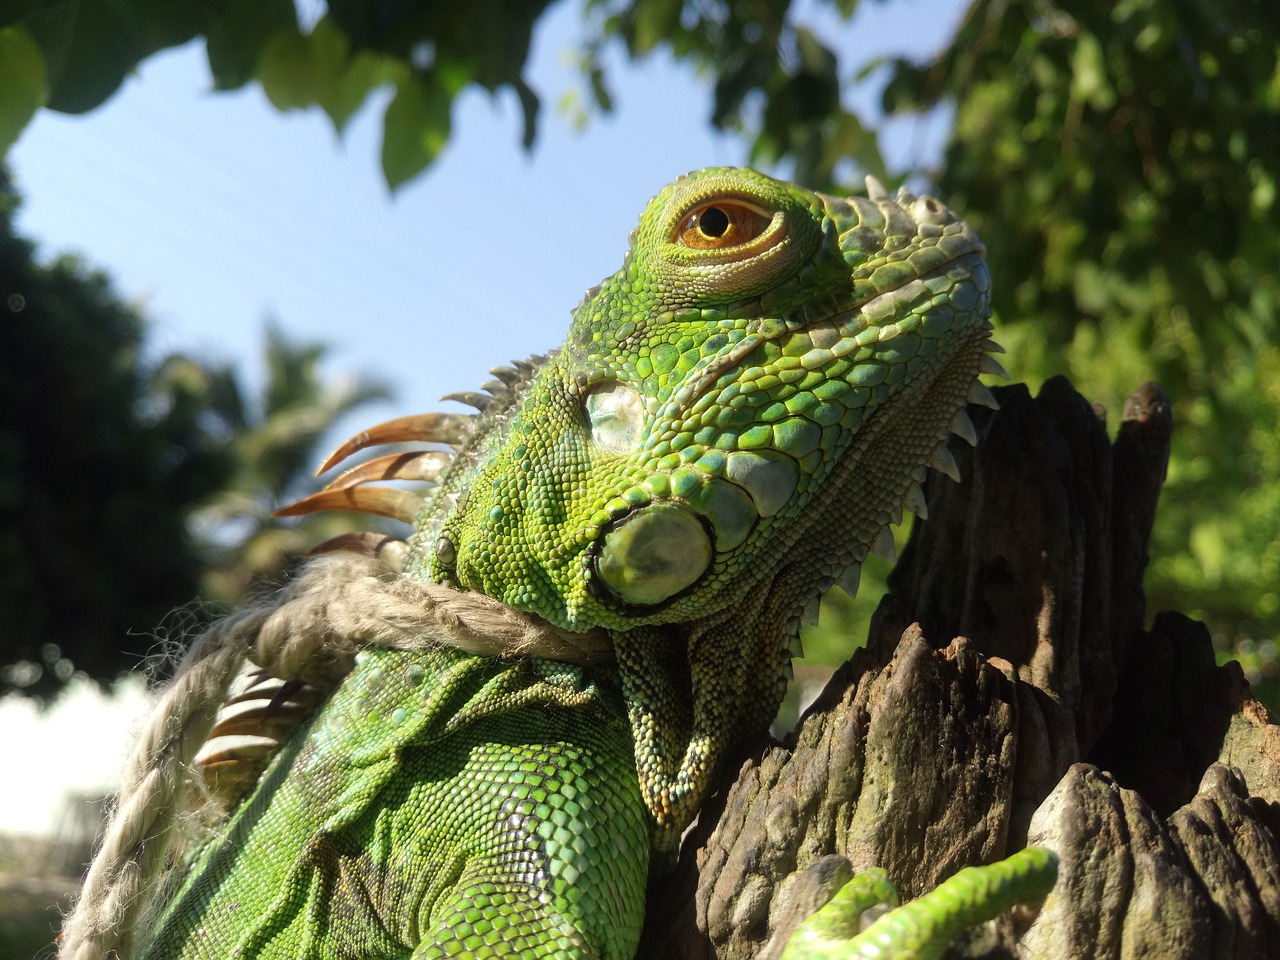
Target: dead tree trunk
1009	694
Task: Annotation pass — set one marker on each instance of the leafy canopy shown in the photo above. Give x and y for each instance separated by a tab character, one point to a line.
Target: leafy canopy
101	458
1119	158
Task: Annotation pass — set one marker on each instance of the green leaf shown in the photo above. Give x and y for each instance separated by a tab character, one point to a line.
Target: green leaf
284	70
90	46
237	35
364	73
1089	74
655	21
600	89
298	70
340	82
22	83
415	128
530	105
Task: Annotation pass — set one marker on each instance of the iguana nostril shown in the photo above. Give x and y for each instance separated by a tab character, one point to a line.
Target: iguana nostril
654	554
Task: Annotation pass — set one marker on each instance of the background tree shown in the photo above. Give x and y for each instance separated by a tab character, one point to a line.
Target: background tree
1120	161
101	458
128	487
1118	158
274	442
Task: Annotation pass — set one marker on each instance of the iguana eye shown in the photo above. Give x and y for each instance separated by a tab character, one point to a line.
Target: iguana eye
716	226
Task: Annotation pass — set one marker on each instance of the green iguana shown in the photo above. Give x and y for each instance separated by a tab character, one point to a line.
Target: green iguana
734	421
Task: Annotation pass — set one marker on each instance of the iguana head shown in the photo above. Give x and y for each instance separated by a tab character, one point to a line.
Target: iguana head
769	364
663	462
734	420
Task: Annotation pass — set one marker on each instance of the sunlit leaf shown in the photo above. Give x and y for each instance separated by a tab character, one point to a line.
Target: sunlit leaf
284	70
654	22
415	129
1089	73
22	83
90	46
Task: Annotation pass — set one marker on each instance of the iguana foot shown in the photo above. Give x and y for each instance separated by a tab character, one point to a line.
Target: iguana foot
921	929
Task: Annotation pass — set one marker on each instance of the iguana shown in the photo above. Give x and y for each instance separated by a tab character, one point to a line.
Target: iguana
733	422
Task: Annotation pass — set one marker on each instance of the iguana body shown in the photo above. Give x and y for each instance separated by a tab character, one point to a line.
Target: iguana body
734	420
438	803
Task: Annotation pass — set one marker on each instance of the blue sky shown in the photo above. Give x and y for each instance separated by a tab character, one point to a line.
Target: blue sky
214	211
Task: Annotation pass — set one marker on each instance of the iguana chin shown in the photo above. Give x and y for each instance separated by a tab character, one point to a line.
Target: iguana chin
733	422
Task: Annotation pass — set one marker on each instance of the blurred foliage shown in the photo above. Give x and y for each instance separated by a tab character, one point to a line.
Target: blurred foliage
100	461
71	55
773	79
274	442
1119	158
126	486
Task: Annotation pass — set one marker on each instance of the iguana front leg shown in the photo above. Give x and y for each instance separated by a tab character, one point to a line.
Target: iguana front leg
921	929
688	694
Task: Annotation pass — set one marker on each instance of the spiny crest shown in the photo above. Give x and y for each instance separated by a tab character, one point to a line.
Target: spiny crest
350	490
257	717
913	500
941	459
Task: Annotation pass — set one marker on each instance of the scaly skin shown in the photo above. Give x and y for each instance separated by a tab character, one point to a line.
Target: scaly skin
439	804
735	418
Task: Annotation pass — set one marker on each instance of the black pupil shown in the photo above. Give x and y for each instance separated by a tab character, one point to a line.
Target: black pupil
713	222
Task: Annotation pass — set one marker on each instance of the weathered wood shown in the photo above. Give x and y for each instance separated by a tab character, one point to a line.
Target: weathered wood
1009	691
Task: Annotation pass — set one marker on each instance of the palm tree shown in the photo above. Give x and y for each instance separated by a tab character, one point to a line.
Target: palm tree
275	441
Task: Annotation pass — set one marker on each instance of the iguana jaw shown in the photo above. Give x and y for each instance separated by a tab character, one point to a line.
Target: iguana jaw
731	661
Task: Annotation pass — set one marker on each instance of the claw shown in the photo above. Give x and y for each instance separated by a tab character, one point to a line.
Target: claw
388	549
394	466
850	579
990	364
450	428
915	501
471	398
875	189
235	747
883	545
508	375
382	501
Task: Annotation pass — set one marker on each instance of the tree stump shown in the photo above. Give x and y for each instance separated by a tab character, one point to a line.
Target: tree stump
1009	694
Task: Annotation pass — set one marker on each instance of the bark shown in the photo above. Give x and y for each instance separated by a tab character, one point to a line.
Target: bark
1009	694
